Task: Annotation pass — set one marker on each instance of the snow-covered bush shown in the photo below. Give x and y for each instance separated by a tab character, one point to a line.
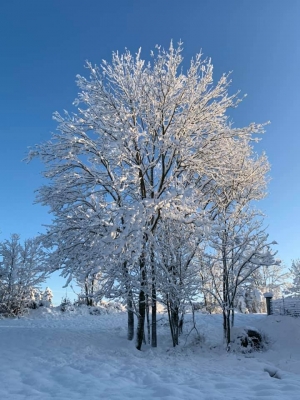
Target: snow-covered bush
109	307
35	298
46	298
66	305
248	339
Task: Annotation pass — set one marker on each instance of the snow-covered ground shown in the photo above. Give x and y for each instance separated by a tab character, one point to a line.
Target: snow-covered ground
54	355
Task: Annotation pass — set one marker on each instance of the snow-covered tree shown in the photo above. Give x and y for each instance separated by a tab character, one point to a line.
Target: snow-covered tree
254	300
47	297
294	288
209	286
89	284
272	278
176	260
22	269
35	298
148	138
238	246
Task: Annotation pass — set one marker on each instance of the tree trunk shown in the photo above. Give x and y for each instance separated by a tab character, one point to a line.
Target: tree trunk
148	320
173	314
226	302
224	324
142	307
130	316
92	292
175	322
130	304
153	295
153	316
141	320
170	323
232	317
86	294
228	330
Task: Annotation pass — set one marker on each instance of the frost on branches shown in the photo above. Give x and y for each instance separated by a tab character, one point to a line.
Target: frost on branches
268	278
148	156
237	247
22	270
47	296
294	288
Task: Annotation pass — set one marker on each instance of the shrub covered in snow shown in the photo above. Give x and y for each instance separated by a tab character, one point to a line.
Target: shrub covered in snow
248	339
66	305
82	309
35	298
46	298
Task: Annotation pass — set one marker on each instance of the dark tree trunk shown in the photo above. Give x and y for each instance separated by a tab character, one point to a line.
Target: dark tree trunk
227	325
142	307
92	292
86	294
153	295
130	304
141	320
226	302
153	316
130	316
173	315
224	324
175	322
228	330
148	320
170	323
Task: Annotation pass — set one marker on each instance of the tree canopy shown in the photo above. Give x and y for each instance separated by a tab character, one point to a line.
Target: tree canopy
149	155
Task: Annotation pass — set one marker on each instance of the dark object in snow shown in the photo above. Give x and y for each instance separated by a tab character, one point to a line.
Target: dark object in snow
252	340
95	311
268	296
274	373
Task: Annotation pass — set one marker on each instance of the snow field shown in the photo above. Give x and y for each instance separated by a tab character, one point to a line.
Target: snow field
54	355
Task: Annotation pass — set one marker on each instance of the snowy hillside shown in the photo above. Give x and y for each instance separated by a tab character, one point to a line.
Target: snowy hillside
53	355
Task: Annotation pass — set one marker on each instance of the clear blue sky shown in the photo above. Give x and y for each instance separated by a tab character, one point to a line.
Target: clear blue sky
44	44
